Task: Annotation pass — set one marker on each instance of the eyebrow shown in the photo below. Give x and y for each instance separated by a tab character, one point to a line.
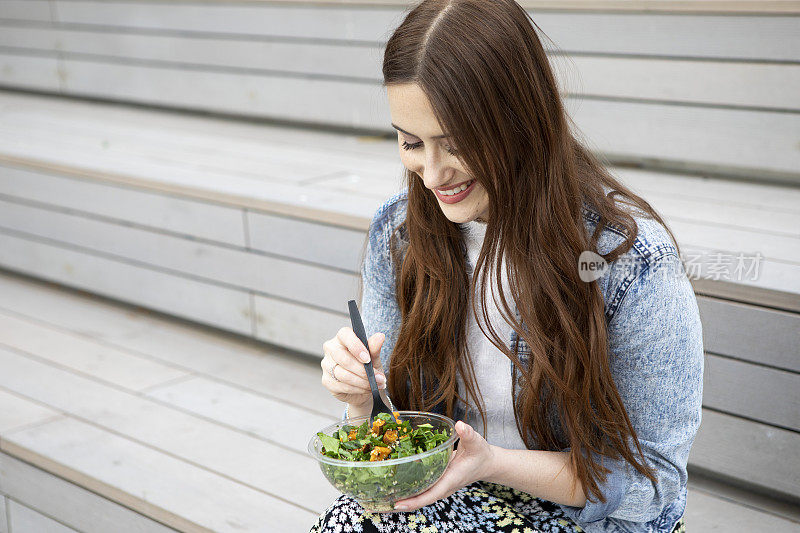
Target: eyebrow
409	133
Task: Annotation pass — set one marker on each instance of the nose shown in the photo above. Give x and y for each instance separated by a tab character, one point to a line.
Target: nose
436	172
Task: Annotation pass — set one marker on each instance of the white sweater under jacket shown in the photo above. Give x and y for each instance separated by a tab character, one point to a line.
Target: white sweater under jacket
492	367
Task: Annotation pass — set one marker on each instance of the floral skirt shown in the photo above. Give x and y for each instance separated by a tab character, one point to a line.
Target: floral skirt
478	507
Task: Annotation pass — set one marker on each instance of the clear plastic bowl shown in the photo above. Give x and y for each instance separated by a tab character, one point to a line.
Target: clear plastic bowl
377	485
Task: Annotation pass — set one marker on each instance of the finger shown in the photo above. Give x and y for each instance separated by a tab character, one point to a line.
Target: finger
375	344
343	375
464	430
333	369
338	353
340	387
350	341
350	369
437	492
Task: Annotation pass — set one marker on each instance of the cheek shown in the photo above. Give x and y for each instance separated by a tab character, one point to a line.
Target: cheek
408	159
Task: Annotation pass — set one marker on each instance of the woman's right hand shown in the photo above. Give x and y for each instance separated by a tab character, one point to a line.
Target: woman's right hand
345	349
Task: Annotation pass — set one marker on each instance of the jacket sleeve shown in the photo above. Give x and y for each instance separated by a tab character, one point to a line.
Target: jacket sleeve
379	310
656	358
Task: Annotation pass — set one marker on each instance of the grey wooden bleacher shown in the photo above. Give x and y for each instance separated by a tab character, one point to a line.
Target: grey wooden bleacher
257	229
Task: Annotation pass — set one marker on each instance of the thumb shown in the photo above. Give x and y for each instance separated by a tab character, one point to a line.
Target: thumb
466	432
375	344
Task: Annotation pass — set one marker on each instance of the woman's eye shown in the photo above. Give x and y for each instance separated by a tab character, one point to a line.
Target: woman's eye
416	145
408	146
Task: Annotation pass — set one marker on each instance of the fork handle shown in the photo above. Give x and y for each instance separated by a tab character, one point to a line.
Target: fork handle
358	329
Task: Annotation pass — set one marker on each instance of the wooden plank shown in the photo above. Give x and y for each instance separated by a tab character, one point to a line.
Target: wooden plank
751	333
255	368
16	413
746	84
25	10
357	105
165	488
27	107
717	194
748	452
260	164
250	461
208	304
236	361
706	264
27	37
665	34
312	285
732	239
319	22
641	33
266	418
380	187
746	218
749	142
299	239
749	84
22	518
707	512
159	211
304	202
751	391
742	497
704	6
81	313
180	51
29	72
206	151
72	505
125	369
295	326
772	299
203	151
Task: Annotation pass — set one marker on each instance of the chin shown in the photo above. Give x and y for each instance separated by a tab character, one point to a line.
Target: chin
458	215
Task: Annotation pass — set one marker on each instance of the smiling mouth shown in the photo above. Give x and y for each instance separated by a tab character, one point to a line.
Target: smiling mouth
456	189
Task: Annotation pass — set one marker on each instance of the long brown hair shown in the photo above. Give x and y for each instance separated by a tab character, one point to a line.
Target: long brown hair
489	81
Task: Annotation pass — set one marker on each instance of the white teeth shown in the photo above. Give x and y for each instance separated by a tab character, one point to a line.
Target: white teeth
456	190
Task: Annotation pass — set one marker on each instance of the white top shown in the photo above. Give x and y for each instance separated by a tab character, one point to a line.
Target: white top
492	367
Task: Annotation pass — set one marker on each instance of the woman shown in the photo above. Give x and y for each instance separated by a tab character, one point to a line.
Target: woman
577	384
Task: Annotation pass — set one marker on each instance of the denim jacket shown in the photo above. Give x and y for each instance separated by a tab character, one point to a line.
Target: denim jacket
656	348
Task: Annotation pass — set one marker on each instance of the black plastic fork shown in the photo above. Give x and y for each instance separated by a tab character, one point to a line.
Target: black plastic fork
358	327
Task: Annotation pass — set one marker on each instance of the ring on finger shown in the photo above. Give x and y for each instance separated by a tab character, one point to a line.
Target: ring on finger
331	371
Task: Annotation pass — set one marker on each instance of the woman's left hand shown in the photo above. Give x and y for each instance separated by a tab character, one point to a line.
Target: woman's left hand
472	461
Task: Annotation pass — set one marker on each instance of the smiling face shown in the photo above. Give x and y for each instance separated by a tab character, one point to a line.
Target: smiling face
426	151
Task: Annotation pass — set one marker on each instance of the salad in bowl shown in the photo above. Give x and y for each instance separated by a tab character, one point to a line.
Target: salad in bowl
395	457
